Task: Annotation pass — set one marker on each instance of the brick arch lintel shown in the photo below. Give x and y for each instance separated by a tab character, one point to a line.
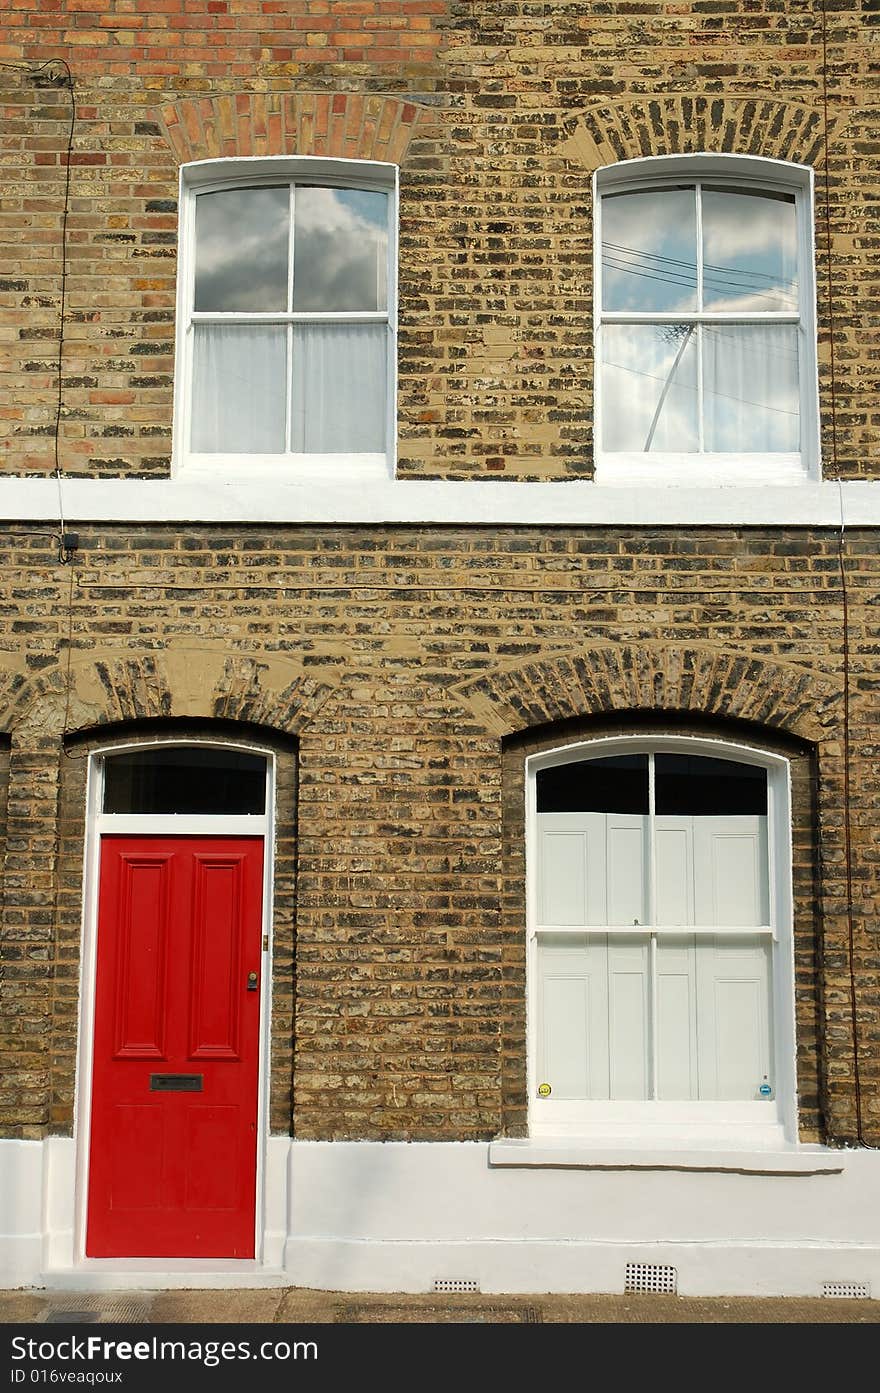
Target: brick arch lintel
203	681
341	125
676	124
625	678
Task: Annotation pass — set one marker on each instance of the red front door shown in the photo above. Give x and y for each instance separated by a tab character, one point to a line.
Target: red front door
172	1169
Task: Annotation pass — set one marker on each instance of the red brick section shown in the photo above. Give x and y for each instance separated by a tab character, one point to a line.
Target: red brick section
345	126
223	38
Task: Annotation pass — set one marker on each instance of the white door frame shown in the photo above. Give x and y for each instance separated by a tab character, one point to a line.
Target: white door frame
99	824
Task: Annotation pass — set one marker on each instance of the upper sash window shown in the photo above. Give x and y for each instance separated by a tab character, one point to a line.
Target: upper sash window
287	315
705	334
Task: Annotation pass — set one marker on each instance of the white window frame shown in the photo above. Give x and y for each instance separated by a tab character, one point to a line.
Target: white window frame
210	176
686	1123
692	468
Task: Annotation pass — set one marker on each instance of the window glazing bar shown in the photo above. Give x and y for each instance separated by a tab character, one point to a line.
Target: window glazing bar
653	1042
294	317
659	930
701	317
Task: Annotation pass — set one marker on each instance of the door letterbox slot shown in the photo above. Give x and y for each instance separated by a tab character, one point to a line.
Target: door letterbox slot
176	1083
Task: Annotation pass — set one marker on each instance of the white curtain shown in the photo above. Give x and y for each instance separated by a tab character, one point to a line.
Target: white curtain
650	395
339	388
750	387
652	398
239	389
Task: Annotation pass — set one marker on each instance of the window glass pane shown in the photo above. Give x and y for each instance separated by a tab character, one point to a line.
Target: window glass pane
649	250
238	395
749	250
649	387
185	779
340	249
241	249
615	785
695	785
751	393
339	388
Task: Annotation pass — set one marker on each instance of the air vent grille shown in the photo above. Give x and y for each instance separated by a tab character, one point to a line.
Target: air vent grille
651	1276
852	1291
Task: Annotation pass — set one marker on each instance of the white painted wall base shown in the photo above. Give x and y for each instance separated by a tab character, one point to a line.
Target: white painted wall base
366	1216
21	1211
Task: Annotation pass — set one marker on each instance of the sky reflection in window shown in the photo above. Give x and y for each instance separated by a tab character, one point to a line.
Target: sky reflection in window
340	250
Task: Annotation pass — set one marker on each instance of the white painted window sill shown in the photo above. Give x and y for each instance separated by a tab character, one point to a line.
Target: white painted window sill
194	497
570	1154
206	470
662	470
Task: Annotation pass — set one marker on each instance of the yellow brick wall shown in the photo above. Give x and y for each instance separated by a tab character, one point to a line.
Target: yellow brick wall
415	668
497	114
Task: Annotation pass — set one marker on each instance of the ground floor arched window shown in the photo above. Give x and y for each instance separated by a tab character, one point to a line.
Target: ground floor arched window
660	965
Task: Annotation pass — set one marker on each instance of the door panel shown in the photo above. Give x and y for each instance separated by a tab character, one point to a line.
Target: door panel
172	1169
216	976
141	929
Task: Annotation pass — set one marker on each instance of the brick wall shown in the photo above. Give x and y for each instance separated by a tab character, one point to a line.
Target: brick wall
497	113
414	667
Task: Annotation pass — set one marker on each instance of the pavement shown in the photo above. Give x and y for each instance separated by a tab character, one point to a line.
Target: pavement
300	1306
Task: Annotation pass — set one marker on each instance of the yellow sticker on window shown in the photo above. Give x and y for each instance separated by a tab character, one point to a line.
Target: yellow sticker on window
544	1090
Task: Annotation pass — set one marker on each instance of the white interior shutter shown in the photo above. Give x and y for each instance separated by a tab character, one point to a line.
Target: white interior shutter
730	871
677	1072
628	1016
733	993
626	860
573	999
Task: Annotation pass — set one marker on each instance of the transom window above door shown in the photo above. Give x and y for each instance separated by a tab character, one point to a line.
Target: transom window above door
705	334
182	779
656	964
287	316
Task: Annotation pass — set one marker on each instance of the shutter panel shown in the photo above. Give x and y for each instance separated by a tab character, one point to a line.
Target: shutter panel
733	991
677	1075
730	871
626	866
674	861
628	1017
571	869
573	1000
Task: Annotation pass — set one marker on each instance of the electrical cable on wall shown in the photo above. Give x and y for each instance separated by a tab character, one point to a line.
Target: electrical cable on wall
841	565
63	555
34	72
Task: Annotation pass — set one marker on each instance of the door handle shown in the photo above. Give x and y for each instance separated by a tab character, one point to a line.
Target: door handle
252	981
